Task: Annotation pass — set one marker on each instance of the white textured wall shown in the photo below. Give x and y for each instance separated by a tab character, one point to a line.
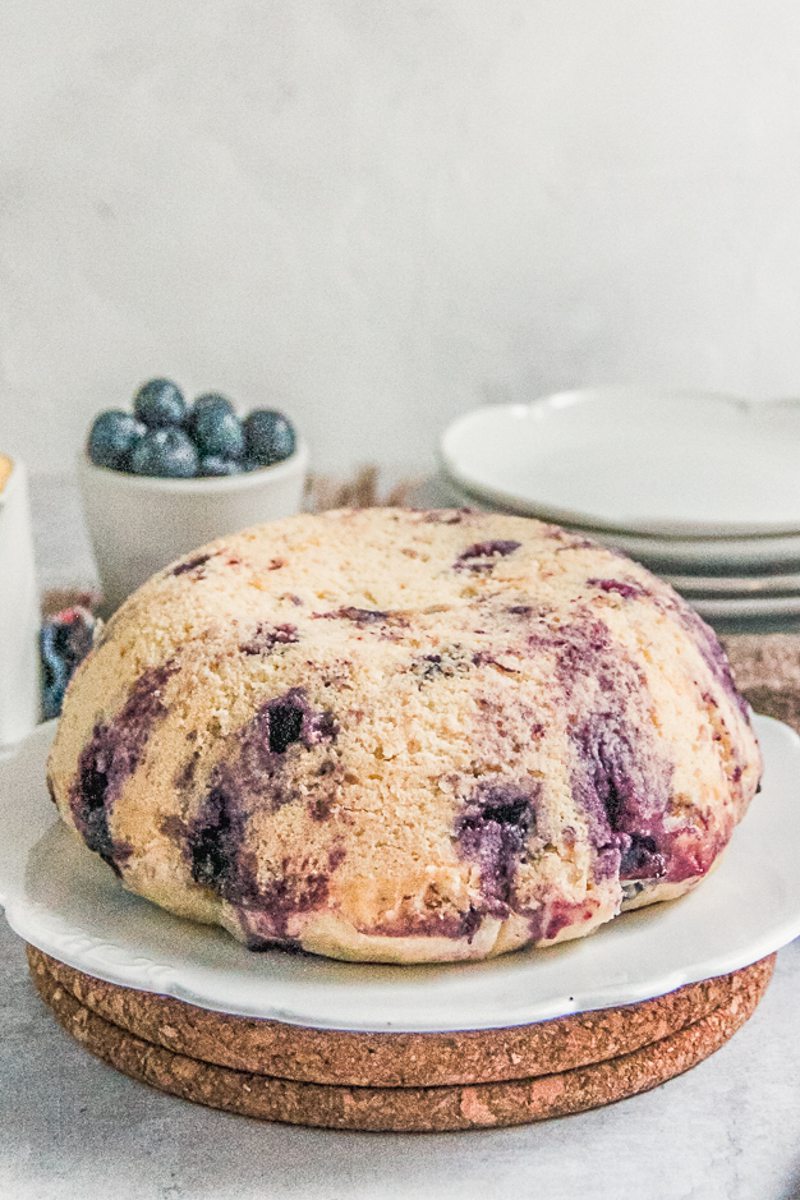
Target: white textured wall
380	212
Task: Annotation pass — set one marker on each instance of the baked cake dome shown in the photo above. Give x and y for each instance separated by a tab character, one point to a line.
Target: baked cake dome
405	736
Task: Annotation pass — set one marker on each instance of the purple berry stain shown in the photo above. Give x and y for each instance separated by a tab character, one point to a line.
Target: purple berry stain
430	924
712	654
492	831
191	565
266	637
293	892
364	616
253	780
215	838
481	555
624	792
622	587
621	780
621	777
110	757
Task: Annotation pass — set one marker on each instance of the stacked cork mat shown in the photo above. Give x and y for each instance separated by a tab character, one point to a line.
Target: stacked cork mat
395	1081
425	1082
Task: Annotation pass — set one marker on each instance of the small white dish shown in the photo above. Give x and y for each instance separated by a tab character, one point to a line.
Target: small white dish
673	463
20	614
762	553
694	556
139	523
63	900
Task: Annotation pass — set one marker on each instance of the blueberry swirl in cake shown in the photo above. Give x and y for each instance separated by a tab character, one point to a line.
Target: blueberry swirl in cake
405	736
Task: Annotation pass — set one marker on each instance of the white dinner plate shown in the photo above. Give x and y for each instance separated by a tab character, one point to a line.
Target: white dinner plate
746	608
64	900
664	554
736	587
682	464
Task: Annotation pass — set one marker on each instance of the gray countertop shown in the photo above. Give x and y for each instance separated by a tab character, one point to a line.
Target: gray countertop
70	1126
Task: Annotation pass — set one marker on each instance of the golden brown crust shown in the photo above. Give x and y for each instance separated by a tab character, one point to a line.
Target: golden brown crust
404	737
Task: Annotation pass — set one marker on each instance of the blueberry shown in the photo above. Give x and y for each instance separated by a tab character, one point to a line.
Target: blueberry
166	452
159	402
212	464
269	435
208	402
112	438
285	726
219	434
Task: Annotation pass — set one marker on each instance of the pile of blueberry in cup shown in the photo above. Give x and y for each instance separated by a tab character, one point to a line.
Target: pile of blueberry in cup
165	436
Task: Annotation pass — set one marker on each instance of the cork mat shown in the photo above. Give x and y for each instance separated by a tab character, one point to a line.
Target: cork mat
391	1059
411	1108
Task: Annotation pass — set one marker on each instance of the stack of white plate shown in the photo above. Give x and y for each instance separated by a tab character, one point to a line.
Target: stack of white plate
703	489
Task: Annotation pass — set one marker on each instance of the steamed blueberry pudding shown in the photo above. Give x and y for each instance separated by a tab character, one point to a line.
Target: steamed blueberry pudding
405	736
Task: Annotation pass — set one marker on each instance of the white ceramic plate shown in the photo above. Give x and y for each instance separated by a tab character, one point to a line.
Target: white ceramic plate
756	553
749	608
691	464
65	901
737	587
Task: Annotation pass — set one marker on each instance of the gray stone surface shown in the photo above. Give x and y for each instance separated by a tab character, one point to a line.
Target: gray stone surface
72	1127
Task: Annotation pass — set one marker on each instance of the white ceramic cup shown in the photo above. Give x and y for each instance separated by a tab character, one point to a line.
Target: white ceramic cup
139	523
20	701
